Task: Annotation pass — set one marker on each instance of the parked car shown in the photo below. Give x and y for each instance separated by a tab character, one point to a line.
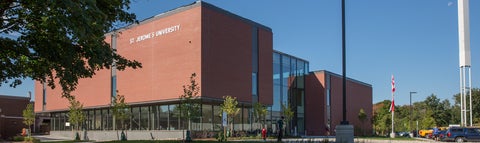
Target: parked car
425	133
404	134
462	134
437	132
439	135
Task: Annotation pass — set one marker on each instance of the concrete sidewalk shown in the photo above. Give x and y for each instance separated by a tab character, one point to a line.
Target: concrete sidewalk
49	138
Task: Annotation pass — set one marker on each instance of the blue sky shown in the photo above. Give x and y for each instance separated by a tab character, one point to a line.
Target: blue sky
415	40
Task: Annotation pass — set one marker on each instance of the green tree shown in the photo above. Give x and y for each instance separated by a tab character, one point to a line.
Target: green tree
433	105
29	117
475	106
445	115
362	117
288	114
121	113
428	121
75	115
190	105
59	41
229	106
455	110
259	112
382	117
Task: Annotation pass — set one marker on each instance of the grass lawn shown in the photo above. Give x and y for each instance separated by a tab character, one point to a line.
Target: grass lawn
158	141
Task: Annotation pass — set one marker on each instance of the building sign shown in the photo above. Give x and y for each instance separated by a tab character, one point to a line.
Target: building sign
155	34
224	119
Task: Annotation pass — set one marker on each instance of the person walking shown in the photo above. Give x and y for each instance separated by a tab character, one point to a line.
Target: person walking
280	129
264	134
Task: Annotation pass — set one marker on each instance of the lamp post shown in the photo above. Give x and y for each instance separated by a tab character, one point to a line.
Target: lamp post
411	110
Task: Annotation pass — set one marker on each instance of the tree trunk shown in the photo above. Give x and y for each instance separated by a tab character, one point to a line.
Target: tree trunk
29	131
189	124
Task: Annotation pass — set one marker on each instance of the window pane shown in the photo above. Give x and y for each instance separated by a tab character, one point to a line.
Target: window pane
163	119
106	119
144	118
217	118
98	119
306	68
174	118
247	119
276	97
276	68
237	121
285	95
207	117
135	122
154	117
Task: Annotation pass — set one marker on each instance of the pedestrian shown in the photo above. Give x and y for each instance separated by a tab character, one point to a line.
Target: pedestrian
264	134
280	129
327	130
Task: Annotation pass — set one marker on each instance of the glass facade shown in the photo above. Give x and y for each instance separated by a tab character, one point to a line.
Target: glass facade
154	117
289	89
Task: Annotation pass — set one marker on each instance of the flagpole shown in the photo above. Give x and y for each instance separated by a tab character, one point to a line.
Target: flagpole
392	108
392	135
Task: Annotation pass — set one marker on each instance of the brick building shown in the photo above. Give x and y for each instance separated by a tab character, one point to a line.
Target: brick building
11	115
230	55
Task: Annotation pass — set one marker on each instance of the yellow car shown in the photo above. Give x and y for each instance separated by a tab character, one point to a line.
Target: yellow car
425	133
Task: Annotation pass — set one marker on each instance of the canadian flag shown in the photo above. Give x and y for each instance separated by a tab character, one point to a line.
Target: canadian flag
393	84
392	106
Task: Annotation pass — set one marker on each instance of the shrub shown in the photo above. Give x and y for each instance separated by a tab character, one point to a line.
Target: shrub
220	137
18	138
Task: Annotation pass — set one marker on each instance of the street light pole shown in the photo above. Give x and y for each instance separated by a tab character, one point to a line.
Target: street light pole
411	109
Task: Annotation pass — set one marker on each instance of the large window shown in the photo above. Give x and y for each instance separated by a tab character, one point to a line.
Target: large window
144	118
254	84
90	120
155	117
217	120
98	119
164	118
207	117
174	123
107	119
135	122
289	88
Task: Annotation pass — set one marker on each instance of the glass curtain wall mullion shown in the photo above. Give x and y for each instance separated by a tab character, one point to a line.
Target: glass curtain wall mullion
144	118
213	117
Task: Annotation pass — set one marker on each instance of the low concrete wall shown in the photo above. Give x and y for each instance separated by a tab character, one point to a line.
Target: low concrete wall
115	135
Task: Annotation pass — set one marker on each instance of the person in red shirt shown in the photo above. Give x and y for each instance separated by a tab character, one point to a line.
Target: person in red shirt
264	134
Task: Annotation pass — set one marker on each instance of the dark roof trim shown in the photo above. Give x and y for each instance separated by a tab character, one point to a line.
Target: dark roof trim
340	76
210	6
190	6
15	97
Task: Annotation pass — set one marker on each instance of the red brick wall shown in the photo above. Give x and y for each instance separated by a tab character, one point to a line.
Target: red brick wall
11	121
358	96
227	57
214	45
315	118
168	60
265	68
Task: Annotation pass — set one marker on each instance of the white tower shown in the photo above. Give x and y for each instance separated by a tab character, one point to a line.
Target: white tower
465	72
